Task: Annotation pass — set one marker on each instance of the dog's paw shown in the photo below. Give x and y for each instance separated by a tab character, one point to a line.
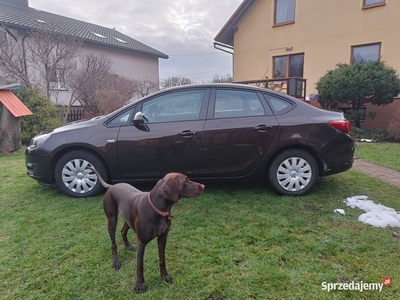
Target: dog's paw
167	278
141	287
116	266
130	247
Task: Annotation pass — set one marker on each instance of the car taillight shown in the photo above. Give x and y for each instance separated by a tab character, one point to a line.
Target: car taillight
342	125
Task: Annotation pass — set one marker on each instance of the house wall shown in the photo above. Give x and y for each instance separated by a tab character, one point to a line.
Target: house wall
324	31
125	63
130	64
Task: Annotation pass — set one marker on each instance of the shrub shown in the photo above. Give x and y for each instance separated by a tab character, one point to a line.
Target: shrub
379	135
394	125
45	114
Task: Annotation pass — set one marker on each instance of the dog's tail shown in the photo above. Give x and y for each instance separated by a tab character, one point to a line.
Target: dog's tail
103	183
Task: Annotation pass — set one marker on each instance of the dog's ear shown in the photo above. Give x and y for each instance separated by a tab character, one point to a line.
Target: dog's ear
171	187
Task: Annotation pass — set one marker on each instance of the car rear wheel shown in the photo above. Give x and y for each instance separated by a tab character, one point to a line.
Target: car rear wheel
293	172
74	178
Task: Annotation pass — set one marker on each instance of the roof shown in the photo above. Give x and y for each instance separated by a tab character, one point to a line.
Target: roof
13	104
30	19
226	34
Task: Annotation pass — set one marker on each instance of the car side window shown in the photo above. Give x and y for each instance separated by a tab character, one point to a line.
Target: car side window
122	119
231	103
279	105
175	106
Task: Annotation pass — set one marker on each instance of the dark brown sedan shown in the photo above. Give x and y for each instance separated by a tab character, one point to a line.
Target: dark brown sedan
208	132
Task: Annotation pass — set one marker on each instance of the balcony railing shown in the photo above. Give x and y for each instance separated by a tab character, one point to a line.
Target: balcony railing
293	86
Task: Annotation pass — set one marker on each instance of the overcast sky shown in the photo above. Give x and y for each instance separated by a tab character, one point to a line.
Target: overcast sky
182	29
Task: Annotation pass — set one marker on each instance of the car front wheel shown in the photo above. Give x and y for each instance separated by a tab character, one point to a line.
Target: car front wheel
74	178
293	172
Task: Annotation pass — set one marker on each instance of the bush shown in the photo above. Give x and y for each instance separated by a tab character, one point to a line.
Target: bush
379	135
394	125
45	114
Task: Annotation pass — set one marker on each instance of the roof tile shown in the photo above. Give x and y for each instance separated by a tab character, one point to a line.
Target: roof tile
27	18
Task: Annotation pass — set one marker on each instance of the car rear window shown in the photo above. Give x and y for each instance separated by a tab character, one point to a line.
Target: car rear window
279	105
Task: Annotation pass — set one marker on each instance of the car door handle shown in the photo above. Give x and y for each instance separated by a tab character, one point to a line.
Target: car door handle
187	133
262	128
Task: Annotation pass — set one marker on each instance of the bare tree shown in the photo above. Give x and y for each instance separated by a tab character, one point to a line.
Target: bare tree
51	56
143	87
12	62
175	81
40	58
88	77
222	79
98	89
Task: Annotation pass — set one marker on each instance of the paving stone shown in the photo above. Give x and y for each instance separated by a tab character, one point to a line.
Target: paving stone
377	171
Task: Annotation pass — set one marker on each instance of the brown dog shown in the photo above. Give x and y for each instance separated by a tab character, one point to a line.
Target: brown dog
148	214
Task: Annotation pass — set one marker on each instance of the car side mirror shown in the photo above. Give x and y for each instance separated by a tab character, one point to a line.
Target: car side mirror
138	119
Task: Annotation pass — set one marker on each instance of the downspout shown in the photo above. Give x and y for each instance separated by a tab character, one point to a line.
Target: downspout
24	54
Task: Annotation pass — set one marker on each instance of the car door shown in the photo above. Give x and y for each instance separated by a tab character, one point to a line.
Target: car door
171	138
239	130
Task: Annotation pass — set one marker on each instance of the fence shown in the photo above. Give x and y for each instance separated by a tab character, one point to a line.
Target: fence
76	114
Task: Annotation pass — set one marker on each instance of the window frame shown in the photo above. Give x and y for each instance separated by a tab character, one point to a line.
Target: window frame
365	45
287	62
266	109
276	24
60	83
372	5
202	108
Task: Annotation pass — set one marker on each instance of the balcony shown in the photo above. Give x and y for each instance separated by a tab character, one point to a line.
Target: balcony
292	86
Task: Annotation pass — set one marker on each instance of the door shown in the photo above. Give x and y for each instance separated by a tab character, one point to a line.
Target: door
169	141
239	130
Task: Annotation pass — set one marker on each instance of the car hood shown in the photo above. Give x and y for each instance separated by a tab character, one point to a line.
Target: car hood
78	124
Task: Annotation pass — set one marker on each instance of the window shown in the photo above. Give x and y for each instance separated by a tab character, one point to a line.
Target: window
57	80
178	106
284	11
231	104
288	66
123	118
365	53
373	3
279	105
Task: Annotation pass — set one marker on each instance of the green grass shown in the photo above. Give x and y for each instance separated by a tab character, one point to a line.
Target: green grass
234	242
384	154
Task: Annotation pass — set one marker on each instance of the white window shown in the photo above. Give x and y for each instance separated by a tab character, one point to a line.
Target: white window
284	11
57	80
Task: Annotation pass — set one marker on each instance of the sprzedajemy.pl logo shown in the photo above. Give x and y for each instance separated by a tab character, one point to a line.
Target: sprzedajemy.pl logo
356	286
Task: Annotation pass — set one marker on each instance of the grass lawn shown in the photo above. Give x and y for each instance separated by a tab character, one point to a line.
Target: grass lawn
234	242
384	154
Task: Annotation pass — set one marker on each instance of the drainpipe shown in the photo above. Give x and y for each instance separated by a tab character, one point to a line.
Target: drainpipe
24	54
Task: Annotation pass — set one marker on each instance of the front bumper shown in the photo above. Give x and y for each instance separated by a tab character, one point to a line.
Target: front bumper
38	165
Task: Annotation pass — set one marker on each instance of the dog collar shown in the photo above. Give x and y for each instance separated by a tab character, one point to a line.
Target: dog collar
161	213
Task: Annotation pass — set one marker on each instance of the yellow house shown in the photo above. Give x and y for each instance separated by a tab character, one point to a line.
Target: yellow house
293	43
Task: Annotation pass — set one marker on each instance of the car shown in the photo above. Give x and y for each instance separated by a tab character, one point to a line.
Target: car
209	132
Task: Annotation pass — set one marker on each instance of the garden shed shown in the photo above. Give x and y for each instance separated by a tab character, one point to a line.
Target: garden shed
11	109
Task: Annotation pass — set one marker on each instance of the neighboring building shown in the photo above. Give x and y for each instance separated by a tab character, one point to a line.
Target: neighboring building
130	58
292	42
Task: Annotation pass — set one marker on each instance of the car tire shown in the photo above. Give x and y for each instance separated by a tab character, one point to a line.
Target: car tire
73	177
293	172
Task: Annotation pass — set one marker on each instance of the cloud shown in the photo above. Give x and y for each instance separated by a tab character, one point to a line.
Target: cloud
183	29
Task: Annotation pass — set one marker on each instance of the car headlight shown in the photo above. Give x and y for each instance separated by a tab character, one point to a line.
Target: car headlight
37	141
